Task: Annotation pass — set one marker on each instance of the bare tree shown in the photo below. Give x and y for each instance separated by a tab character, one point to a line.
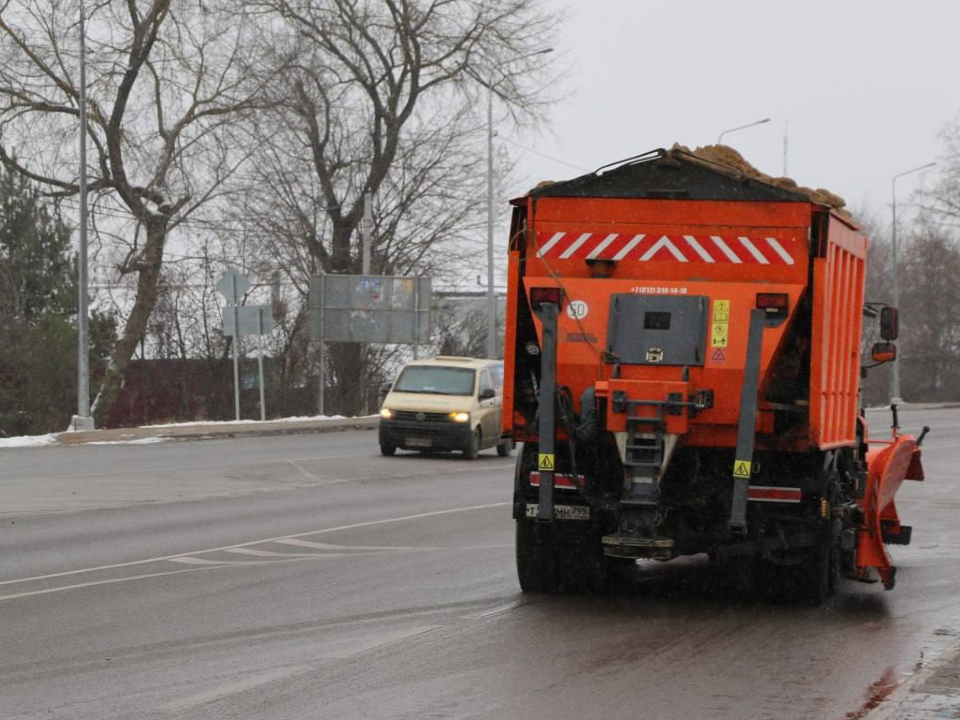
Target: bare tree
165	84
930	303
942	202
380	97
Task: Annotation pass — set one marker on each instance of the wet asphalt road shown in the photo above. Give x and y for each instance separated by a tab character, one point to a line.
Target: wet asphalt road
323	581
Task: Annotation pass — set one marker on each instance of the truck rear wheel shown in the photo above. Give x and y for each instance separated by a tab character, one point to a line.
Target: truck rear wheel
536	557
572	564
822	573
584	568
813	579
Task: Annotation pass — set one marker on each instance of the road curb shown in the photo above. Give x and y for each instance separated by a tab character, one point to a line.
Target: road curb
931	693
215	431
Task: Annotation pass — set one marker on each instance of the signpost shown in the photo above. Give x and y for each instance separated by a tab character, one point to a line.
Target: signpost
240	320
368	309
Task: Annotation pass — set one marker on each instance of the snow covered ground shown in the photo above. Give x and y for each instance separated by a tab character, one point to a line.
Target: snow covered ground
28	441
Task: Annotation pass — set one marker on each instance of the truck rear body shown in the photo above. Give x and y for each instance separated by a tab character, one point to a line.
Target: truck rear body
706	357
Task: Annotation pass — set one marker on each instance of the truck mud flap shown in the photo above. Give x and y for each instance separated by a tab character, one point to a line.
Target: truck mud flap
546	459
746	427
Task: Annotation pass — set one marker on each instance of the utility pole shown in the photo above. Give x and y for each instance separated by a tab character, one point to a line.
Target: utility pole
366	231
786	132
491	293
236	347
82	420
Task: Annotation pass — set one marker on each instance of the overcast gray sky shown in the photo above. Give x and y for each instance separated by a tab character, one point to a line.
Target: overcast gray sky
866	86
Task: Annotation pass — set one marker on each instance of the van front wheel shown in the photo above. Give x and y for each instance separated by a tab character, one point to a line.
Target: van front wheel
473	448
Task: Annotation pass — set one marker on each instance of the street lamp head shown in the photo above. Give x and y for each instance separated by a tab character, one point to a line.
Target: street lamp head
916	169
741	127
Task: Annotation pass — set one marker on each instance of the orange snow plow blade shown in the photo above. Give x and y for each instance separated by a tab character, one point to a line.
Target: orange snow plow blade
889	463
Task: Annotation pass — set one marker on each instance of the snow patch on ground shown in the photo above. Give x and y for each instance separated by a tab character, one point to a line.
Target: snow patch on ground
28	441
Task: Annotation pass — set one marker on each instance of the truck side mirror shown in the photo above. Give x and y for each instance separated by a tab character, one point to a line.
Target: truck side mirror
884	352
889	323
385	388
488	393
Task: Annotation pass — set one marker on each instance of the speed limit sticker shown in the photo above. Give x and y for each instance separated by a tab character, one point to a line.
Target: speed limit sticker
577	309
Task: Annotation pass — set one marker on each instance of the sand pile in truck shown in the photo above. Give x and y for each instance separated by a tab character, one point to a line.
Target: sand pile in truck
726	157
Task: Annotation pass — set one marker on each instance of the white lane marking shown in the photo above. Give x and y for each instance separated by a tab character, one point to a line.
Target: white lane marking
604	244
266	553
628	247
731	256
519	602
778	249
326	546
549	244
114	581
575	246
248	682
757	255
664	241
353	526
218	565
704	255
315	545
189	560
303	471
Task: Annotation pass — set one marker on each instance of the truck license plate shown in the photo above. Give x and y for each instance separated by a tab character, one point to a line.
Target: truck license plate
562	512
419	442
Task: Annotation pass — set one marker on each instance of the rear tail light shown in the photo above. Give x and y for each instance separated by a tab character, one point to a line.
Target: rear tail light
775	304
543	295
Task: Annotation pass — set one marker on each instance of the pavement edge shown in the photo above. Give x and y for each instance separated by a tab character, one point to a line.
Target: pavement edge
213	432
911	700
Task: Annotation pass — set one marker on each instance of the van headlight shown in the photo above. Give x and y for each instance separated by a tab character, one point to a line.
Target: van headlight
386	413
460	417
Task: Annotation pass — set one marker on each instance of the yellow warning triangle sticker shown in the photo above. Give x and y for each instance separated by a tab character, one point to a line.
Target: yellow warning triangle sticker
741	469
545	461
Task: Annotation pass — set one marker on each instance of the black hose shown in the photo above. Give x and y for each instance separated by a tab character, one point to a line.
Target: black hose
569	420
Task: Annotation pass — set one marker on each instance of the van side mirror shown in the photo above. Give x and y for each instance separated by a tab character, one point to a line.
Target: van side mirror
385	388
889	323
883	352
487	394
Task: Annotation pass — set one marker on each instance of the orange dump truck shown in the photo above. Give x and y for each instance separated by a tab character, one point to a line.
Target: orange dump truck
682	364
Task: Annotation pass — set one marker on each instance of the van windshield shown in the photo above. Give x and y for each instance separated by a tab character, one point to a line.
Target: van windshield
436	380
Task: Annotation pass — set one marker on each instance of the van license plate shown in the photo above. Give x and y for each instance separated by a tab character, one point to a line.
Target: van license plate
562	512
419	442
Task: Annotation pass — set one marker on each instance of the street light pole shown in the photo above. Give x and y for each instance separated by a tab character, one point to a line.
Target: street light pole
491	290
741	127
82	420
895	376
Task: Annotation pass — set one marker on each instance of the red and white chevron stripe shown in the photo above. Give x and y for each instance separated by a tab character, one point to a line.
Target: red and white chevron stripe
735	250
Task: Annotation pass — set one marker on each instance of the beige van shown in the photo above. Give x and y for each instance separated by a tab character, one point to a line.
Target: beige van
445	403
